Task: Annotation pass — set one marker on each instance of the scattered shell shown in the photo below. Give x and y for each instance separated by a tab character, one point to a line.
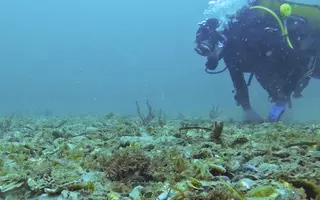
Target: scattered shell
217	169
233	166
250	167
32	184
240	141
246	184
266	191
91	130
219	178
51	191
135	193
75	167
113	197
194	183
11	186
165	195
281	154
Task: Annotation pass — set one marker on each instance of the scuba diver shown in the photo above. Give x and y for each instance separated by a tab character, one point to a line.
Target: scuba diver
283	54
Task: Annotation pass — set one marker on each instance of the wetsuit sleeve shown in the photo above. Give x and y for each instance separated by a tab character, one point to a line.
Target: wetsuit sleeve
241	89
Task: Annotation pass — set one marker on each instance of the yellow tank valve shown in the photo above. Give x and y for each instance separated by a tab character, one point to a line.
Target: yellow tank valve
285	10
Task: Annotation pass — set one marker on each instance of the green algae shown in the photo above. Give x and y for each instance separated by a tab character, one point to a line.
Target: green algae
262	191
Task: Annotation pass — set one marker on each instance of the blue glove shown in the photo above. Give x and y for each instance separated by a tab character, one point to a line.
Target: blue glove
251	116
276	111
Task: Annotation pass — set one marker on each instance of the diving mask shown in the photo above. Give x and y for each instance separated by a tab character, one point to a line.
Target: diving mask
204	48
213	45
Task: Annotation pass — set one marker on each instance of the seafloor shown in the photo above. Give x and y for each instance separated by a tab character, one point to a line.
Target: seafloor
118	157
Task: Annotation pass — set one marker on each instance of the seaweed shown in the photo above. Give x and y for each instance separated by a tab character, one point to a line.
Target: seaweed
129	165
150	116
216	132
6	125
215	112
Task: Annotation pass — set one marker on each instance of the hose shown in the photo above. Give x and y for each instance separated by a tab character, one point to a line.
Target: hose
283	28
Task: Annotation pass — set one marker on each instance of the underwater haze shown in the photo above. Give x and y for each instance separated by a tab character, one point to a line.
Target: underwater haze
83	57
105	99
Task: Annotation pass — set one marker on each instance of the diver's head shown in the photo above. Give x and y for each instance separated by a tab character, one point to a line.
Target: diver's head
209	41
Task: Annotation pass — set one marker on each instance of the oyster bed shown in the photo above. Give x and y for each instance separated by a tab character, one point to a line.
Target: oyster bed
119	157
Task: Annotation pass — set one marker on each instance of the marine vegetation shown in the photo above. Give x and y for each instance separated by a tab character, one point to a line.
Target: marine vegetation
128	157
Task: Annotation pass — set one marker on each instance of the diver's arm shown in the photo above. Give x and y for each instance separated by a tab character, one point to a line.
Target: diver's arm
241	88
309	70
300	87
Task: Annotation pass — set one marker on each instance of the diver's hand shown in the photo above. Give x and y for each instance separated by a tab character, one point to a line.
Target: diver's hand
212	63
297	95
276	111
251	116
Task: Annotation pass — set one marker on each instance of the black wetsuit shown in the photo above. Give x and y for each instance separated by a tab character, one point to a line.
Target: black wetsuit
255	45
